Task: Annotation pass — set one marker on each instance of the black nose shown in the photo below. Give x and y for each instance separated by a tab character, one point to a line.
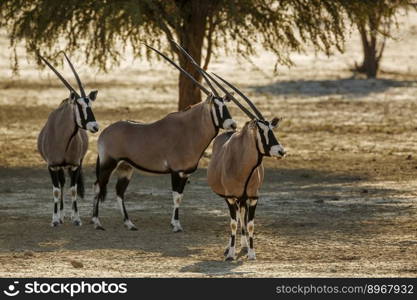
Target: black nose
282	152
234	126
95	128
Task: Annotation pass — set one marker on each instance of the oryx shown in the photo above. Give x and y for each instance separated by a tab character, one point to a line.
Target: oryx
63	143
236	173
172	145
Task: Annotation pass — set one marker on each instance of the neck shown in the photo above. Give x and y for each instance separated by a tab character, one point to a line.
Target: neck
69	124
247	154
203	128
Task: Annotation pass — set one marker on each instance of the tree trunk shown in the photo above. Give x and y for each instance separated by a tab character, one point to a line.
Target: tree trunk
371	54
191	36
370	63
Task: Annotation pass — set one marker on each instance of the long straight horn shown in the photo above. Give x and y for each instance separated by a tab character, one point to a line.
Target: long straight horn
255	110
59	75
208	77
200	70
206	91
76	76
231	97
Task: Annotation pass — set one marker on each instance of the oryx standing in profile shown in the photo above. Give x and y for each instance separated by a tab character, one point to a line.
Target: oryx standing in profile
236	173
172	145
63	143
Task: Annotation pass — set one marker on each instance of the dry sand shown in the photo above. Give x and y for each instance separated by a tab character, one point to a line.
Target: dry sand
343	203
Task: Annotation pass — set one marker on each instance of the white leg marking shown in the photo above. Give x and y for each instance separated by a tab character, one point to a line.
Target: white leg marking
127	222
75	216
130	225
120	202
57	197
243	238
177	198
232	249
251	229
96	222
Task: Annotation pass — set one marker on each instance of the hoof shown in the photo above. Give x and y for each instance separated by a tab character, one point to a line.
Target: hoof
77	222
100	228
229	258
251	254
133	229
177	229
55	224
226	251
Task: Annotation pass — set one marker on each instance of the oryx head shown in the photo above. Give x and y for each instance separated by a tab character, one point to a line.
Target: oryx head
219	112
266	140
84	116
268	143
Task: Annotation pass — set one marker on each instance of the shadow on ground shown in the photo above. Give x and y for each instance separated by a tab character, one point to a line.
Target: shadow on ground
346	86
305	204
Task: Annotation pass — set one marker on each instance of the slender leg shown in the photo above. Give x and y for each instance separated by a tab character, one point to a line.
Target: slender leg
243	224
61	178
104	170
233	208
178	181
251	226
74	173
54	172
125	172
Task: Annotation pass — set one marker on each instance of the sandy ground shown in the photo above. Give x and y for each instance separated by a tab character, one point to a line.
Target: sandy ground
343	203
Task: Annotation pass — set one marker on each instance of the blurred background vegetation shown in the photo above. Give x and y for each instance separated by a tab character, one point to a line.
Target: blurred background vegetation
102	29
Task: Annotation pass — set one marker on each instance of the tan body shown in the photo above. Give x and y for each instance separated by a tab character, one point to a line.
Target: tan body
235	169
165	146
172	145
56	143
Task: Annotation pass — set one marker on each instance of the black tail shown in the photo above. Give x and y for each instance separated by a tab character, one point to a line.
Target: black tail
80	184
103	188
61	177
97	168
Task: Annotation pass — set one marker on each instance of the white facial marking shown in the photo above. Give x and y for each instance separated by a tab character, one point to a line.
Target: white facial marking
275	150
220	105
92	126
265	130
78	117
216	121
229	123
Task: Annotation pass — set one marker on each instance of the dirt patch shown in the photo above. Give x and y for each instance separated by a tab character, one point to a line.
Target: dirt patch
346	233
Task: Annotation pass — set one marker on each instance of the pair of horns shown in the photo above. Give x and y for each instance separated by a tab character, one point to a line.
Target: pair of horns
207	77
63	79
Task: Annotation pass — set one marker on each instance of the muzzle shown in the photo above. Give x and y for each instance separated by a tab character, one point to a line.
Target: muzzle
92	127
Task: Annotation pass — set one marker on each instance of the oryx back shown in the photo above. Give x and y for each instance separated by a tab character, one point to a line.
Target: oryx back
172	144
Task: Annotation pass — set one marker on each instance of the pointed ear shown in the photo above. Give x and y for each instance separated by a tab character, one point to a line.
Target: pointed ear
93	95
275	122
72	97
227	98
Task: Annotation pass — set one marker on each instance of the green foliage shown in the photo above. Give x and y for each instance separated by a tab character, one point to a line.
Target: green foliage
101	29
